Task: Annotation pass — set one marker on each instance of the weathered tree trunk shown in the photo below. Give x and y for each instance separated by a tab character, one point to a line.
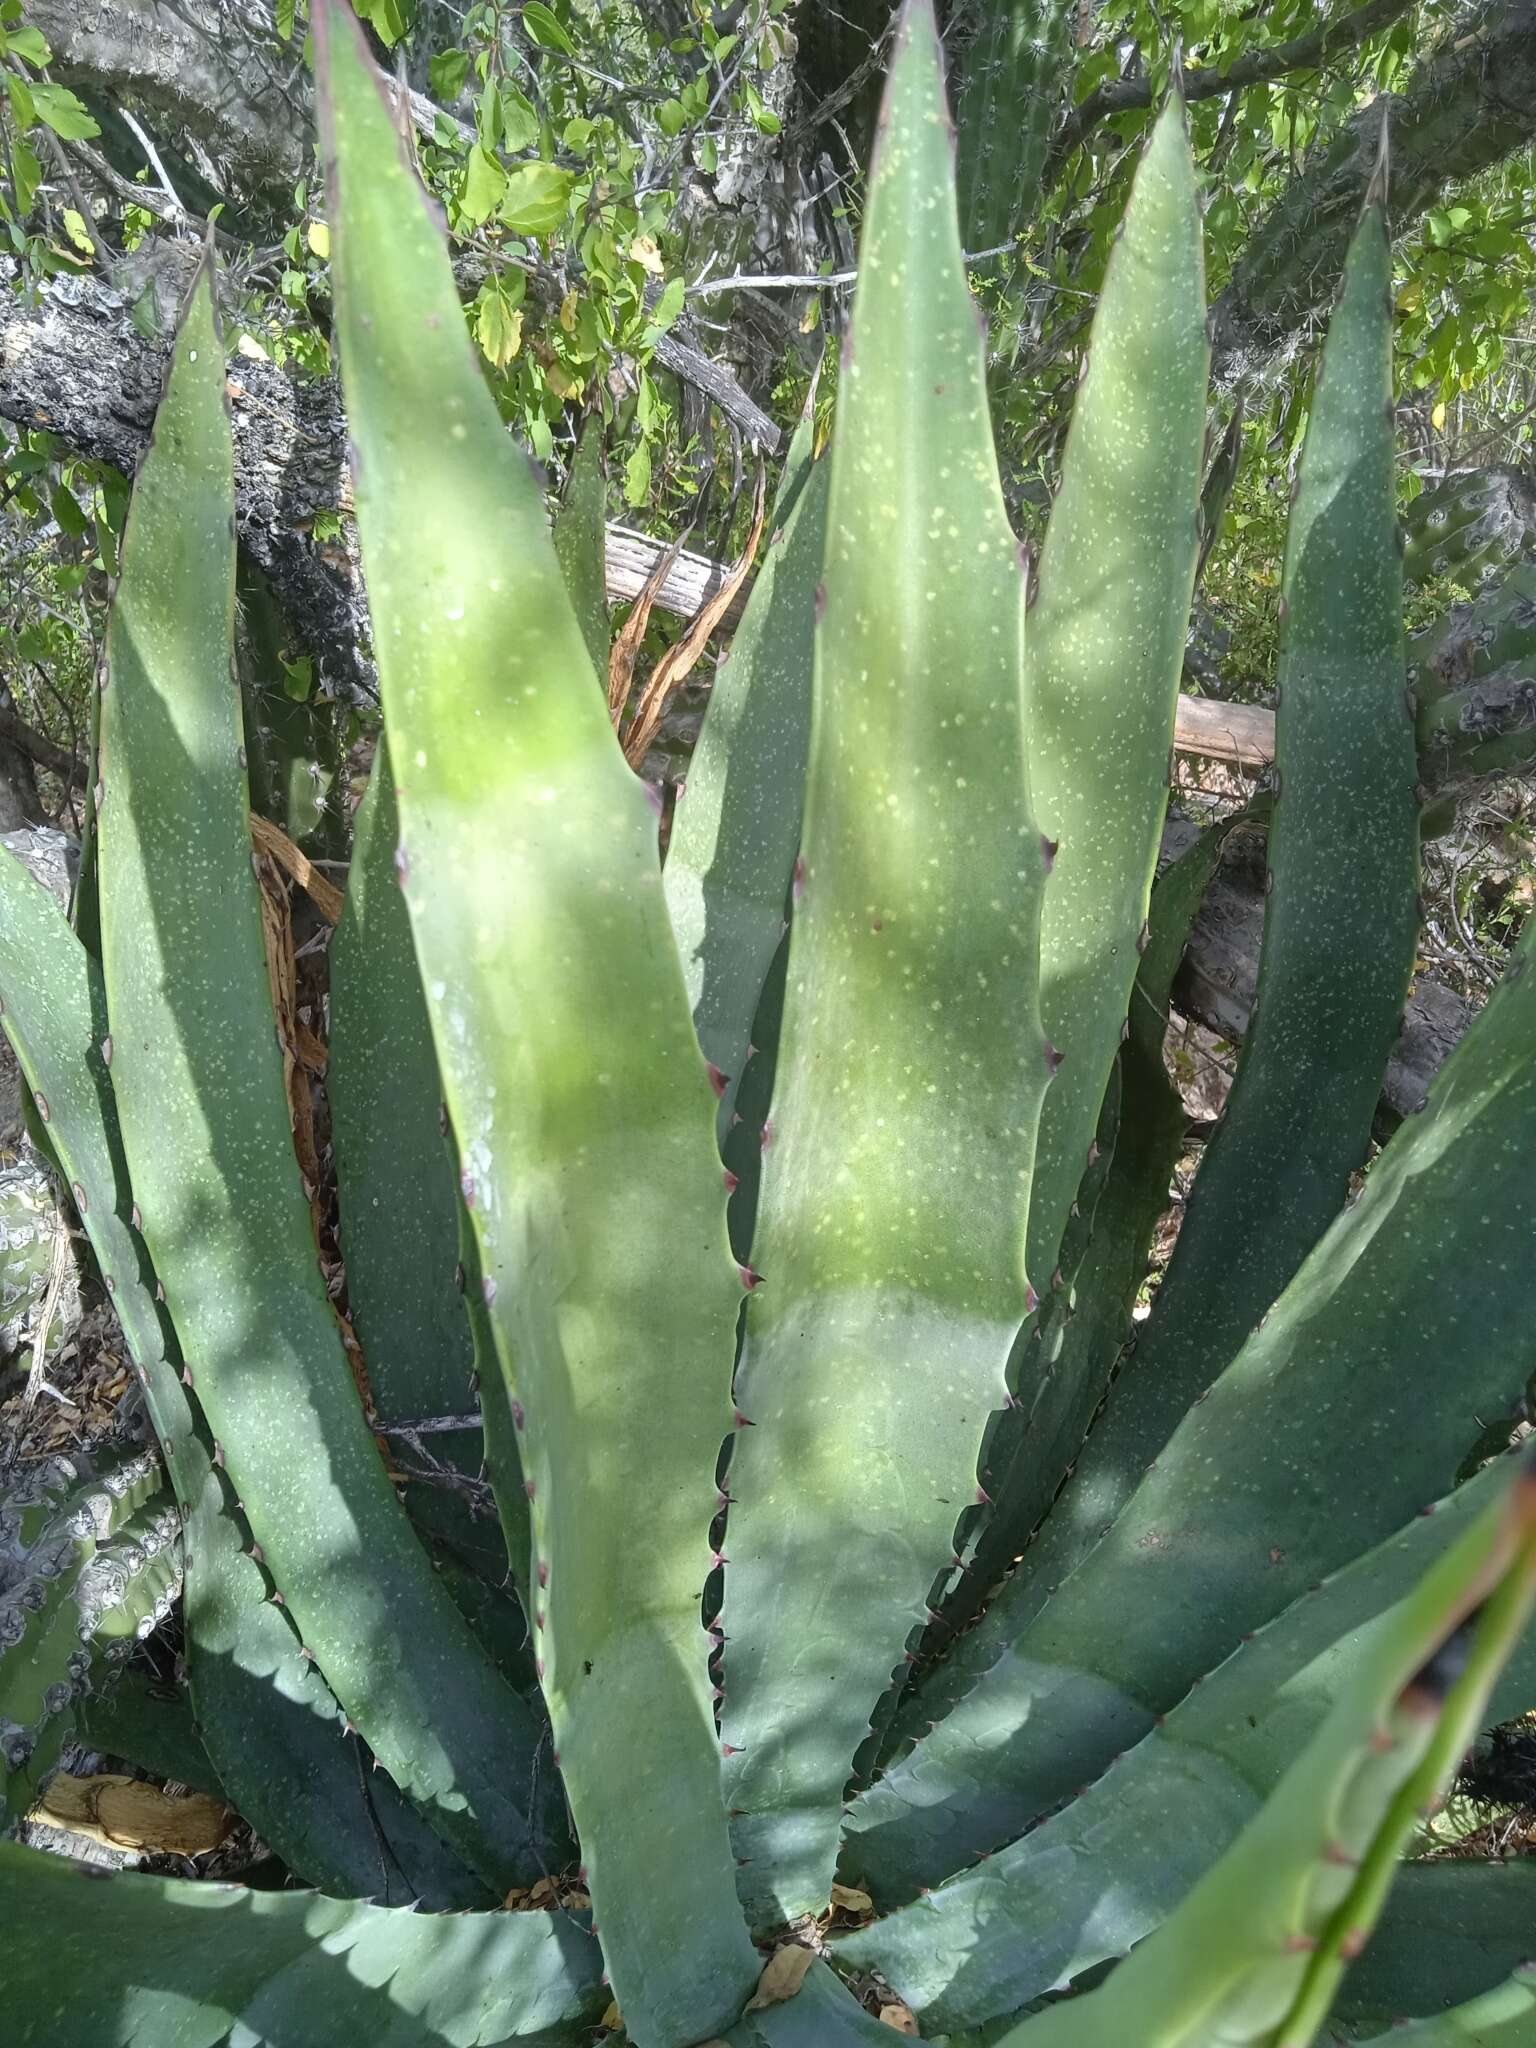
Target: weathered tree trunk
73	360
19	802
212	70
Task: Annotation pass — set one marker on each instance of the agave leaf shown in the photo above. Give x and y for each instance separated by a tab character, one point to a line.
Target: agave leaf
736	830
1256	1951
103	1962
502	1455
1106	647
1077	1342
198	1080
1084	1885
398	1192
572	1076
1452	1929
1358	1352
266	1718
581	542
894	1284
1342	915
1505	2018
151	1726
407	1263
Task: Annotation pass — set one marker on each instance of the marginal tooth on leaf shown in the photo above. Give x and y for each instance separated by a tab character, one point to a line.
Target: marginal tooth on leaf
718	1081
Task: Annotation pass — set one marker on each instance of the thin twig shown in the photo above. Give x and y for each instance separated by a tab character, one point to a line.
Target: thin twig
141	135
797	280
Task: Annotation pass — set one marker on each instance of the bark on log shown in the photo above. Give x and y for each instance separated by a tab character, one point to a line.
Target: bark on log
73	361
1470	103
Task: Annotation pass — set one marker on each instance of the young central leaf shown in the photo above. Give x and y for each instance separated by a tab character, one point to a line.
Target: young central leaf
912	1061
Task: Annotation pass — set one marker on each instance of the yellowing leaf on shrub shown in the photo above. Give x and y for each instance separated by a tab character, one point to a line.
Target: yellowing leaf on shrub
318	236
563	382
568	312
643	250
76	229
536	198
498	326
1437	416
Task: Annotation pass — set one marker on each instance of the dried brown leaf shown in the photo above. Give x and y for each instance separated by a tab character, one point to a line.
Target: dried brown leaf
783	1974
680	659
625	651
325	896
124	1813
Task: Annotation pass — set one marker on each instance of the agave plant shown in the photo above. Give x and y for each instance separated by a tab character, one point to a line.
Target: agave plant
869	1630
